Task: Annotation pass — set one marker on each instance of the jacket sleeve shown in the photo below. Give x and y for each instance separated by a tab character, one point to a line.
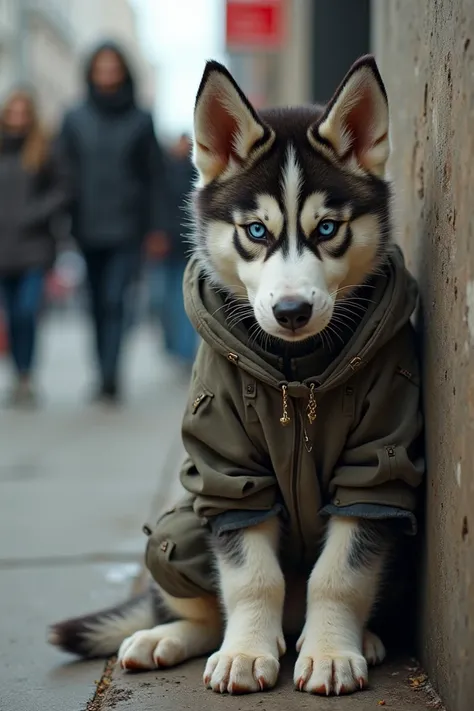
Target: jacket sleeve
54	197
225	471
381	466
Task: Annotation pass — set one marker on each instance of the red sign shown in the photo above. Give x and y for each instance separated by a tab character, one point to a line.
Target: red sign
253	24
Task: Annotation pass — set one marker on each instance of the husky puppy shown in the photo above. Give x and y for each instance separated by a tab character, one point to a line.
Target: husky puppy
303	413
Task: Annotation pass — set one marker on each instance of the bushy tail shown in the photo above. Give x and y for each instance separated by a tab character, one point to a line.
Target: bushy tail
100	634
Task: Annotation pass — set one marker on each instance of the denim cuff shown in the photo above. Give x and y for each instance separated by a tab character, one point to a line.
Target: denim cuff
375	512
237	519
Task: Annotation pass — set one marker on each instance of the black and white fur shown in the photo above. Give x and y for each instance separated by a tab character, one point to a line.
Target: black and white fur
288	171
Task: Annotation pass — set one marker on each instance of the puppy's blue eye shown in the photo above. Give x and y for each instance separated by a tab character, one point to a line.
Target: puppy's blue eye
327	228
256	231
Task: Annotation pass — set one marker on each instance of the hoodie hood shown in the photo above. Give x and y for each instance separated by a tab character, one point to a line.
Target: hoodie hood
393	297
121	99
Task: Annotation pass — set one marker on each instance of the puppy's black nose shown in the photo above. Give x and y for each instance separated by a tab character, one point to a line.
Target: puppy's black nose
292	314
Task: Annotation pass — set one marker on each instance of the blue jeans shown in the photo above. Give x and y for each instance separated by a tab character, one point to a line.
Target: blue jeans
22	296
110	273
165	283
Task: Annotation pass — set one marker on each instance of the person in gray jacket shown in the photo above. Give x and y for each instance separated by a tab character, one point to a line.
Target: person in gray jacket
118	197
33	192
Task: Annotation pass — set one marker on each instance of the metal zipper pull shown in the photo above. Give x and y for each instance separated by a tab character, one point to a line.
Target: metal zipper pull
285	419
197	402
312	405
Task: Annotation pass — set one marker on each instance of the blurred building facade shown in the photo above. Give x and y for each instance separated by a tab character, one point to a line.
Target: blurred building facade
318	42
48	53
272	65
9	50
43	43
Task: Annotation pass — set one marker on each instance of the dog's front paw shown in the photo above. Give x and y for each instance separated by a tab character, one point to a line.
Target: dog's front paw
241	672
324	671
151	649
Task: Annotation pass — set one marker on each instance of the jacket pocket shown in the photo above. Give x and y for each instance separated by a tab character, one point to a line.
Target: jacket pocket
395	462
392	465
177	553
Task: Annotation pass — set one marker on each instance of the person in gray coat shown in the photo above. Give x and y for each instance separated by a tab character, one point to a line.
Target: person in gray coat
118	197
33	192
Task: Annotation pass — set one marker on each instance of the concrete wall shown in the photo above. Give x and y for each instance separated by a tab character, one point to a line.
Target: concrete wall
426	54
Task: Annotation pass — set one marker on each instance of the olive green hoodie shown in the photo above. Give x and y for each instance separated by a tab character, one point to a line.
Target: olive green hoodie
336	434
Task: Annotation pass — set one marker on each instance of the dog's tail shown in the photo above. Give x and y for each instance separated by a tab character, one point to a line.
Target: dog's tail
100	634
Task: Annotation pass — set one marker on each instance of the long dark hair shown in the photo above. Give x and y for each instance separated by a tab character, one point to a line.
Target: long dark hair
35	149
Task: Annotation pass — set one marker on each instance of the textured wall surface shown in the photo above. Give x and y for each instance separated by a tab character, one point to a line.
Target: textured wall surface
426	55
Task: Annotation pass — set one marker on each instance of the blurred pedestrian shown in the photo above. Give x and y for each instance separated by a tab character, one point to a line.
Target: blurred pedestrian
118	190
167	256
33	192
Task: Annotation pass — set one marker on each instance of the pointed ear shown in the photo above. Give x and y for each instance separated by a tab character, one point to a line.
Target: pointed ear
227	129
355	123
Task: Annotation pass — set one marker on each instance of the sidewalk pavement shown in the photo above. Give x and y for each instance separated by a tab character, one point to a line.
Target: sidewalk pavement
76	484
395	686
